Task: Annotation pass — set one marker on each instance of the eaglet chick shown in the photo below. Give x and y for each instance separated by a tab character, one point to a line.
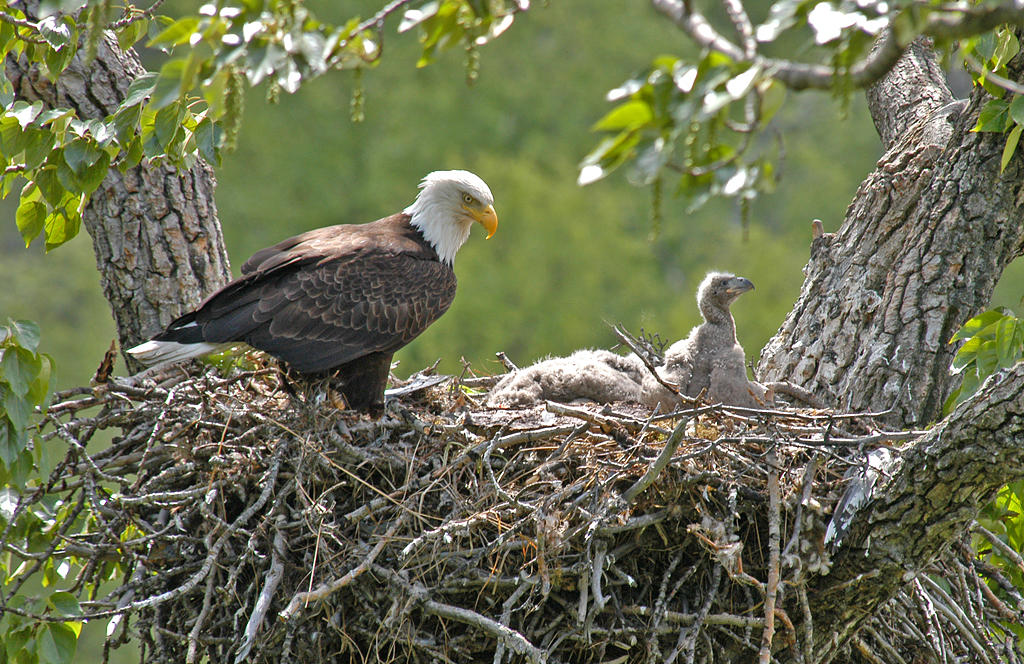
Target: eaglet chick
597	375
710	358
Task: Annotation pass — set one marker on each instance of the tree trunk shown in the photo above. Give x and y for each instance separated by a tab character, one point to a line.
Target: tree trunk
158	242
936	491
923	244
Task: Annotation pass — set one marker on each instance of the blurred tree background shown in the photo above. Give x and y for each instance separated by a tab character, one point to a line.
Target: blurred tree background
566	260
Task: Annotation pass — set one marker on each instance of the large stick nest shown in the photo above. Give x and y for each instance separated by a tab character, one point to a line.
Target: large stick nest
254	523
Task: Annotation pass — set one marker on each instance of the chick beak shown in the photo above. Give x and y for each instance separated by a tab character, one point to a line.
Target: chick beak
487	218
740	286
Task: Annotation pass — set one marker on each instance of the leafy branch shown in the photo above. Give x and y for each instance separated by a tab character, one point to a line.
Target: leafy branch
191	108
703	121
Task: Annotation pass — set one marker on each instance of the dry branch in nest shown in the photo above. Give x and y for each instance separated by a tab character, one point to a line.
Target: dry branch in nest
256	524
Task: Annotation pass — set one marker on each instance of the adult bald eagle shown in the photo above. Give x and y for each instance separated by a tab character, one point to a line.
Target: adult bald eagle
342	298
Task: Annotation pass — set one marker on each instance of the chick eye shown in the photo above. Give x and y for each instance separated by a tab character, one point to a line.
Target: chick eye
467	199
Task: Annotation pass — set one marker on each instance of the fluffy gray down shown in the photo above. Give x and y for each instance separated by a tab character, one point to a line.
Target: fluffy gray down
708	359
596	375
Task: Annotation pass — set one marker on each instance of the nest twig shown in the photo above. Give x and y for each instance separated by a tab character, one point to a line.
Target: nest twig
252	524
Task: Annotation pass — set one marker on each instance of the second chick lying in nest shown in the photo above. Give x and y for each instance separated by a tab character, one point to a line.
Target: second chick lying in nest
710	359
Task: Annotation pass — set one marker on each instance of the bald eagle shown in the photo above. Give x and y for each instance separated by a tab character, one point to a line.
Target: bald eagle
342	299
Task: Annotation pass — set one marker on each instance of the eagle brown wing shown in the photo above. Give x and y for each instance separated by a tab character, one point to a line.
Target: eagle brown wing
328	297
339	310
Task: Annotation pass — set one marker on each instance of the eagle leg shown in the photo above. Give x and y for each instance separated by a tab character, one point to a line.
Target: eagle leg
364	380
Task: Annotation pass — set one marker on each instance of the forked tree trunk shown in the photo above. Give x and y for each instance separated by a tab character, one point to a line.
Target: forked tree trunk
158	242
923	244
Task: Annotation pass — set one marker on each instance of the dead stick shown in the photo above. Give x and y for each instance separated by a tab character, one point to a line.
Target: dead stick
674	389
259	611
999	544
301	600
508	364
512	639
771	591
659	464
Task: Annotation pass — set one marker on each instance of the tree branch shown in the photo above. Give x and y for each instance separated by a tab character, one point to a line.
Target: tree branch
799	76
937	489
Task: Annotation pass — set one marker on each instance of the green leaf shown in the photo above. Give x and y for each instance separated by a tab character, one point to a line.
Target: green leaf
132	155
167	124
49	185
975	325
57	61
16	642
1011	146
30	217
95	174
1009	341
610	153
57	644
131	33
25	112
994	116
987	360
52	115
80	154
208	138
631	115
68	178
48	453
12	137
140	88
55	31
65	604
19	367
42	387
61	225
25	334
126	123
1006	48
1017	109
9	449
39	145
168	85
177	33
18	409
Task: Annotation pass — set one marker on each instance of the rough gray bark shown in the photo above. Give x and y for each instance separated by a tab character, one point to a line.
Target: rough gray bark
909	94
158	243
921	249
935	492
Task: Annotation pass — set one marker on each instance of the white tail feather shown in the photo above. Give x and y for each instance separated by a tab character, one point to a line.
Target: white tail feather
159	353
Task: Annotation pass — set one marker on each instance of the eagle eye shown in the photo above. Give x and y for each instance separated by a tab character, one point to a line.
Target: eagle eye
467	199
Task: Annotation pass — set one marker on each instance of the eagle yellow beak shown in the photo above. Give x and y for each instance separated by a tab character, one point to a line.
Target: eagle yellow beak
487	218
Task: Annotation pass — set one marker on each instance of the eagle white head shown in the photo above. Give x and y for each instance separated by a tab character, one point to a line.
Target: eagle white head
448	204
